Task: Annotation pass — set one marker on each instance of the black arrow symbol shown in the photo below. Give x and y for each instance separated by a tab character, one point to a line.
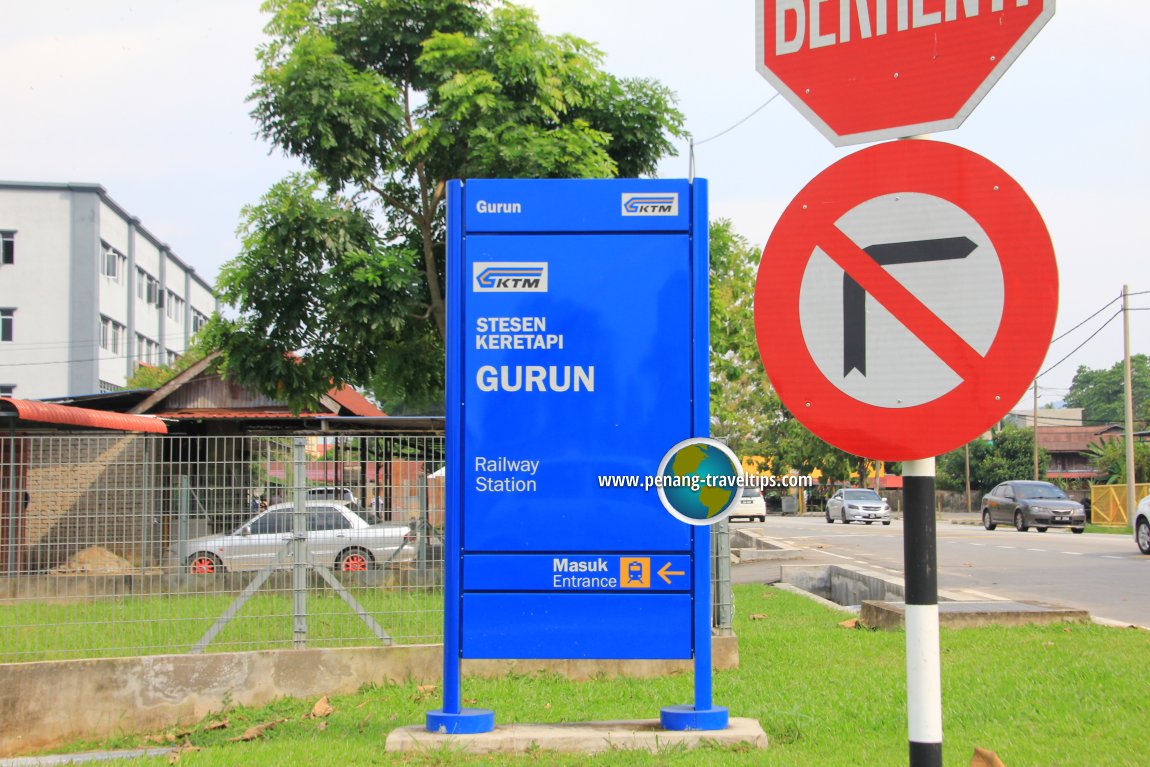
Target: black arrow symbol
888	254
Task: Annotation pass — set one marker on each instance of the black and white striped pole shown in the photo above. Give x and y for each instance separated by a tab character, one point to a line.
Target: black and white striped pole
920	562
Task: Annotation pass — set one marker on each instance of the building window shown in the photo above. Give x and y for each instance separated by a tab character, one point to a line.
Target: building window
172	357
106	387
175	307
112	335
7	247
147	350
198	321
7	321
112	262
147	287
7	390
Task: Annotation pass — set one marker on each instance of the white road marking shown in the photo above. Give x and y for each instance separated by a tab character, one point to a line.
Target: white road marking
982	595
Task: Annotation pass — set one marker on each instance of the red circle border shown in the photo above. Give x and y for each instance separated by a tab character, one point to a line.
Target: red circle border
1030	300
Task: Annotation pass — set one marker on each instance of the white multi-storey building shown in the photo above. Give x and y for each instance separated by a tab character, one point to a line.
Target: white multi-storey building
86	293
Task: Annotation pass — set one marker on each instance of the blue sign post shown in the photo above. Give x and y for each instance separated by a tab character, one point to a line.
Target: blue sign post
577	356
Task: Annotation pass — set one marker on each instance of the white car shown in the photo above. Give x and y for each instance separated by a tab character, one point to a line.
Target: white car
750	506
857	504
337	538
1142	525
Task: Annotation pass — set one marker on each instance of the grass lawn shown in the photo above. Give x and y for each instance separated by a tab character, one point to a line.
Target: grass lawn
1054	696
129	626
1111	529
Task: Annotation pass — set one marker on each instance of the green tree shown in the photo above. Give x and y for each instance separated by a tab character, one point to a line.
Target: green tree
799	449
385	101
155	376
1010	455
1102	396
744	406
1109	458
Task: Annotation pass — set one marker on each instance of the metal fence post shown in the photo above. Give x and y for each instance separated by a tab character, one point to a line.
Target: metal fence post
184	504
421	532
299	546
10	560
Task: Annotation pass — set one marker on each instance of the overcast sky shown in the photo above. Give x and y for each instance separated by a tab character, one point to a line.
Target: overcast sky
148	99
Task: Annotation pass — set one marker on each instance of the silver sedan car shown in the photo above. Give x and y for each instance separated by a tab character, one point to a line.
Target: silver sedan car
853	504
337	538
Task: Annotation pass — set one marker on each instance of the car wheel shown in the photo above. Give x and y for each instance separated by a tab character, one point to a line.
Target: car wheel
845	520
830	519
868	521
1020	522
887	522
354	561
1143	536
204	563
986	520
1081	530
1040	529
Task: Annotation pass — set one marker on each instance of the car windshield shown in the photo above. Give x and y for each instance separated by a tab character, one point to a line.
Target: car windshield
752	492
861	495
1035	492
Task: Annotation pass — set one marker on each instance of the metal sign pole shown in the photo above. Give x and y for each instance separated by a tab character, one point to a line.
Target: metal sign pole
920	558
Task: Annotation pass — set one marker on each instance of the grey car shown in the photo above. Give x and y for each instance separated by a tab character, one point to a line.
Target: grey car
858	504
337	538
1028	503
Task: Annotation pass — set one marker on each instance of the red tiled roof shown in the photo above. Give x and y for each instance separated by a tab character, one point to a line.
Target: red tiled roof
349	399
1072	439
44	412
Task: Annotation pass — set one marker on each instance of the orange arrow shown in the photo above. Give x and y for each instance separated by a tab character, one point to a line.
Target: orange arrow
664	572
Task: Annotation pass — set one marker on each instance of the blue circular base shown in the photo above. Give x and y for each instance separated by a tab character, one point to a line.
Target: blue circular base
469	721
689	718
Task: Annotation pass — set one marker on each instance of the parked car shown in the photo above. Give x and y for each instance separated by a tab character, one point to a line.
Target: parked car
1142	525
857	504
1027	503
751	506
341	494
337	538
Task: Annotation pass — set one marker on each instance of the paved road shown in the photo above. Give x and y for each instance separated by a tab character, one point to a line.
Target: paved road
1104	574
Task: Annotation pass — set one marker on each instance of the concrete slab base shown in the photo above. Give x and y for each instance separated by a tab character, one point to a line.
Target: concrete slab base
575	737
753	545
889	615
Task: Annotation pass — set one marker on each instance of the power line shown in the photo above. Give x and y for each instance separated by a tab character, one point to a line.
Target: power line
1076	348
1080	324
691	159
760	108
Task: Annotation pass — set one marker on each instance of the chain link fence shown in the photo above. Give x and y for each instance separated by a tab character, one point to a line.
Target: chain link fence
131	544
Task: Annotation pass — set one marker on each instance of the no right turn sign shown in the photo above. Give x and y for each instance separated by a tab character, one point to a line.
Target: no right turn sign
906	300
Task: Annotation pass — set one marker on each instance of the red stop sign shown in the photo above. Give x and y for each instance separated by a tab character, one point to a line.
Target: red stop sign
868	70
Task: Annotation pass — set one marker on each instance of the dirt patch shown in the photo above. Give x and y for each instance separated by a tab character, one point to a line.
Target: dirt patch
96	560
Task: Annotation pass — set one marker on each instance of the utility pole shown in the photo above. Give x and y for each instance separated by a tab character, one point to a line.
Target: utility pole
1130	478
967	451
1034	434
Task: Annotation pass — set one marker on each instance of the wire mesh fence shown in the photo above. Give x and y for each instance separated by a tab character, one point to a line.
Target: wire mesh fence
129	544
